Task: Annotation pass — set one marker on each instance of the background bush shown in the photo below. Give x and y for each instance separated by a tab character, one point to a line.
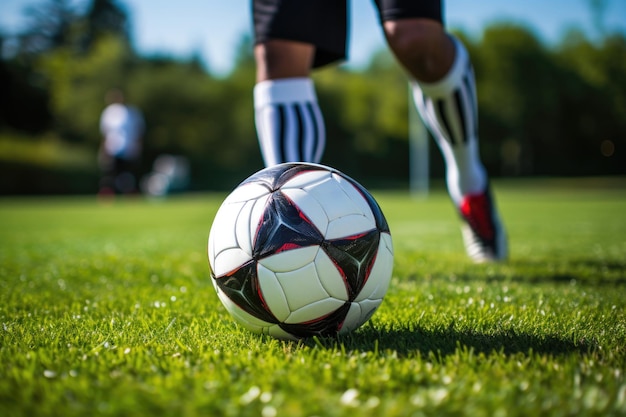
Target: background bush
554	110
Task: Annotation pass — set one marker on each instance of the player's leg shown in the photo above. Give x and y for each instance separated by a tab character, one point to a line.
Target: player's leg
106	163
291	38
288	120
445	95
448	107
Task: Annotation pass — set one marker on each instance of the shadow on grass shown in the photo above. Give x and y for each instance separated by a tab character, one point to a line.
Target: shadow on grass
444	342
577	271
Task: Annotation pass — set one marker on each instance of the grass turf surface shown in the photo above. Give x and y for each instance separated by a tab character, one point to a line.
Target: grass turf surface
108	310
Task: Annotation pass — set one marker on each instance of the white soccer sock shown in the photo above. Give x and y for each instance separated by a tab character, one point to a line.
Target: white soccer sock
288	120
449	110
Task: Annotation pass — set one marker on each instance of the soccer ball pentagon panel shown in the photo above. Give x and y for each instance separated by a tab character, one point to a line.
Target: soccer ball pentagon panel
298	250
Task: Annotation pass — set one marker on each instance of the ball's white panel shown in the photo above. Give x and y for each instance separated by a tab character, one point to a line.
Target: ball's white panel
355	196
336	203
242	226
349	225
290	260
310	206
329	277
316	287
297	276
346	210
358	314
314	310
222	235
273	293
225	253
306	179
247	222
230	237
380	275
246	192
302	287
228	260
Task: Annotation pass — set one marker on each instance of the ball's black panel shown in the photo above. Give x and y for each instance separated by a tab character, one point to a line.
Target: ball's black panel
242	287
276	176
354	257
324	326
283	227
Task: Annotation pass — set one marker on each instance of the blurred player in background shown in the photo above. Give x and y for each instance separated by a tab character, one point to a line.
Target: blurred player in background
122	128
292	37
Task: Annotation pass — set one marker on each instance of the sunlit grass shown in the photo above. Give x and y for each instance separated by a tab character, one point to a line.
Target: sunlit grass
108	309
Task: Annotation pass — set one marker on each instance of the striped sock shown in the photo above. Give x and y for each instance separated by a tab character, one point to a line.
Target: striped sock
288	120
449	110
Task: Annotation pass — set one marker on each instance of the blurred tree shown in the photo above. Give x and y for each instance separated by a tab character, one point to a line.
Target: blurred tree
57	23
23	98
594	102
103	18
517	98
543	110
44	79
51	24
192	113
365	113
78	83
598	10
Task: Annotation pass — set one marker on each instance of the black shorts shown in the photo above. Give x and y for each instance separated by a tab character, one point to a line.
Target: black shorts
324	23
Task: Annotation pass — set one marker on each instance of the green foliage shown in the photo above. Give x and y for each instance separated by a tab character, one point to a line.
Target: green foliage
517	99
107	309
78	83
358	112
24	101
45	165
595	98
554	110
48	151
105	18
52	24
190	113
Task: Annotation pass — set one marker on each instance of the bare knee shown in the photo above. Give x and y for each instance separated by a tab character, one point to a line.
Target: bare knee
422	46
283	59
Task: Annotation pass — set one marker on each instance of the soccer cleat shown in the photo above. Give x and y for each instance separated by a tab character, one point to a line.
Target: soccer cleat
483	233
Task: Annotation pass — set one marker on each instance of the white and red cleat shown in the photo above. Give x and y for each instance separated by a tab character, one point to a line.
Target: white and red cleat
483	233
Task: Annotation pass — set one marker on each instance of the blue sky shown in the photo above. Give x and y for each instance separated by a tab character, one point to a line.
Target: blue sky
214	27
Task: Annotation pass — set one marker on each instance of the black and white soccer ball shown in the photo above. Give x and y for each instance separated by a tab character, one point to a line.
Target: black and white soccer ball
298	250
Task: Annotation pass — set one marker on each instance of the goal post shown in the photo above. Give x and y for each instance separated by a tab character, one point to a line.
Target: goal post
419	170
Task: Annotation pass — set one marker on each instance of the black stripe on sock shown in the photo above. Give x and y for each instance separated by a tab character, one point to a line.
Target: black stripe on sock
300	135
458	101
281	132
315	138
441	110
472	100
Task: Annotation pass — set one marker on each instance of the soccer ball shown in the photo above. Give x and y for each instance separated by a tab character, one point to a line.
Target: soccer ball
300	249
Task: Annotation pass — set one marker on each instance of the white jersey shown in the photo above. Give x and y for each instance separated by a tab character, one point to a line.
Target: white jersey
122	127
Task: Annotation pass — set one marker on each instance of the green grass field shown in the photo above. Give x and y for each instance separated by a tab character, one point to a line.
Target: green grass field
108	310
